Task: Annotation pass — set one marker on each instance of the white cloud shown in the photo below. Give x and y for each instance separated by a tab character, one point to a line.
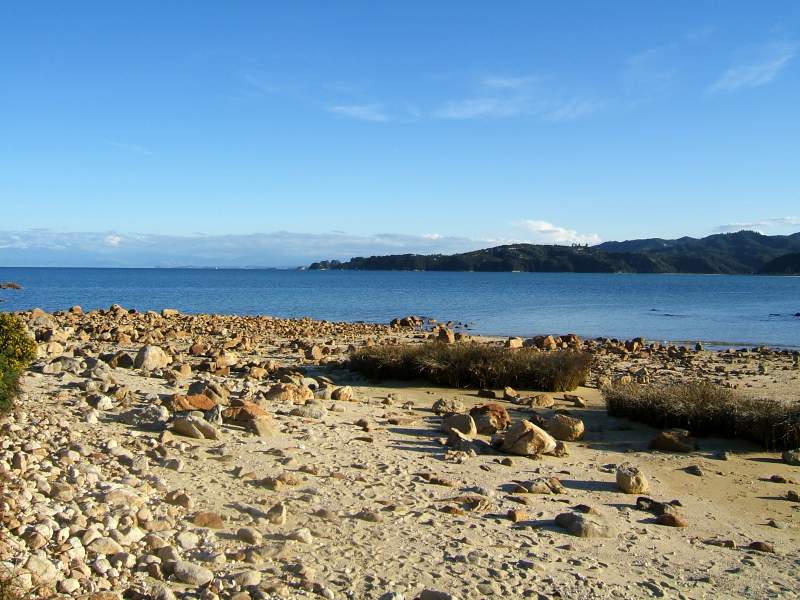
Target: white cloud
113	240
760	226
769	60
544	232
43	247
363	112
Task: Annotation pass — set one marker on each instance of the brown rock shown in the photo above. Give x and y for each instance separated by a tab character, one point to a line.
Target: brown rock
179	403
675	440
490	418
526	439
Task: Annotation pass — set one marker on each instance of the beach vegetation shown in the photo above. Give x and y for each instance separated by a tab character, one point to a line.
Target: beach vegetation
475	365
707	409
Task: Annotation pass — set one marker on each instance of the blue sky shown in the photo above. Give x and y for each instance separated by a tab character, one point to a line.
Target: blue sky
210	132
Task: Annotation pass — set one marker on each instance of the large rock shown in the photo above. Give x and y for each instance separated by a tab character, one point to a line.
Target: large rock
290	392
179	403
151	358
584	525
526	439
43	572
448	405
631	480
565	428
462	422
218	393
490	418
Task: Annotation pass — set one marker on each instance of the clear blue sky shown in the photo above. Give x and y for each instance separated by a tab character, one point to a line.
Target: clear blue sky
437	124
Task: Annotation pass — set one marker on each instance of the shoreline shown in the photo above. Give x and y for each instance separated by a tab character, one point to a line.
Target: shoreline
710	345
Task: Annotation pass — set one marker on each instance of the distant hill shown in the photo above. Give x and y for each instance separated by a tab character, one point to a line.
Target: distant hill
788	264
744	252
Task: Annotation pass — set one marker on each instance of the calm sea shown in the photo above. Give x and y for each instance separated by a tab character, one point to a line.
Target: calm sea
736	310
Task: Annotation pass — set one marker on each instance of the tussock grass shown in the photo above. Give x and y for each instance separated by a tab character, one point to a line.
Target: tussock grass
475	365
707	409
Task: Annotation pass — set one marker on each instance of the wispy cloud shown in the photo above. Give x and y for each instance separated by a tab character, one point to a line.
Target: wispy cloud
571	110
135	148
362	112
45	247
761	226
486	107
506	97
544	232
763	67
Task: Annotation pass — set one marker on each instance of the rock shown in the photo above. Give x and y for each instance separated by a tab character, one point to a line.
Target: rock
584	525
448	405
526	439
150	358
464	423
670	519
435	595
192	574
179	403
490	418
314	410
43	572
792	457
446	336
196	428
762	547
342	394
510	393
218	393
277	514
541	401
565	428
302	535
105	545
290	392
243	413
578	401
513	342
208	519
631	480
675	440
249	535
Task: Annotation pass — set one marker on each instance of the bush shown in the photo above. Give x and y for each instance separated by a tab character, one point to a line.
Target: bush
17	350
475	365
9	381
707	409
15	343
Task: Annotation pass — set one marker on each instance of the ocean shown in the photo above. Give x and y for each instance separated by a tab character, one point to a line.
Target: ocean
714	309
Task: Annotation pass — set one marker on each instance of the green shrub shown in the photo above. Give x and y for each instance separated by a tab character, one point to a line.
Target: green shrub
475	365
9	381
17	350
707	409
15	343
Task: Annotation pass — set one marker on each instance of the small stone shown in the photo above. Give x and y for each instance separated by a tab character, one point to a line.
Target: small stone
631	480
671	520
192	574
302	535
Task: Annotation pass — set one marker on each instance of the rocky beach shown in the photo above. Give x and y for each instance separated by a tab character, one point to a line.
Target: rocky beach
163	455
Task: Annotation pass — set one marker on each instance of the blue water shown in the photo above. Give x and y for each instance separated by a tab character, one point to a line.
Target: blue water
738	310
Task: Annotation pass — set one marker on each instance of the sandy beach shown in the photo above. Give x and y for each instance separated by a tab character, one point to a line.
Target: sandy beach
297	478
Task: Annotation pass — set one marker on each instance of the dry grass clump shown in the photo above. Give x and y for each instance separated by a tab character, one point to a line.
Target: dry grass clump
475	365
707	409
